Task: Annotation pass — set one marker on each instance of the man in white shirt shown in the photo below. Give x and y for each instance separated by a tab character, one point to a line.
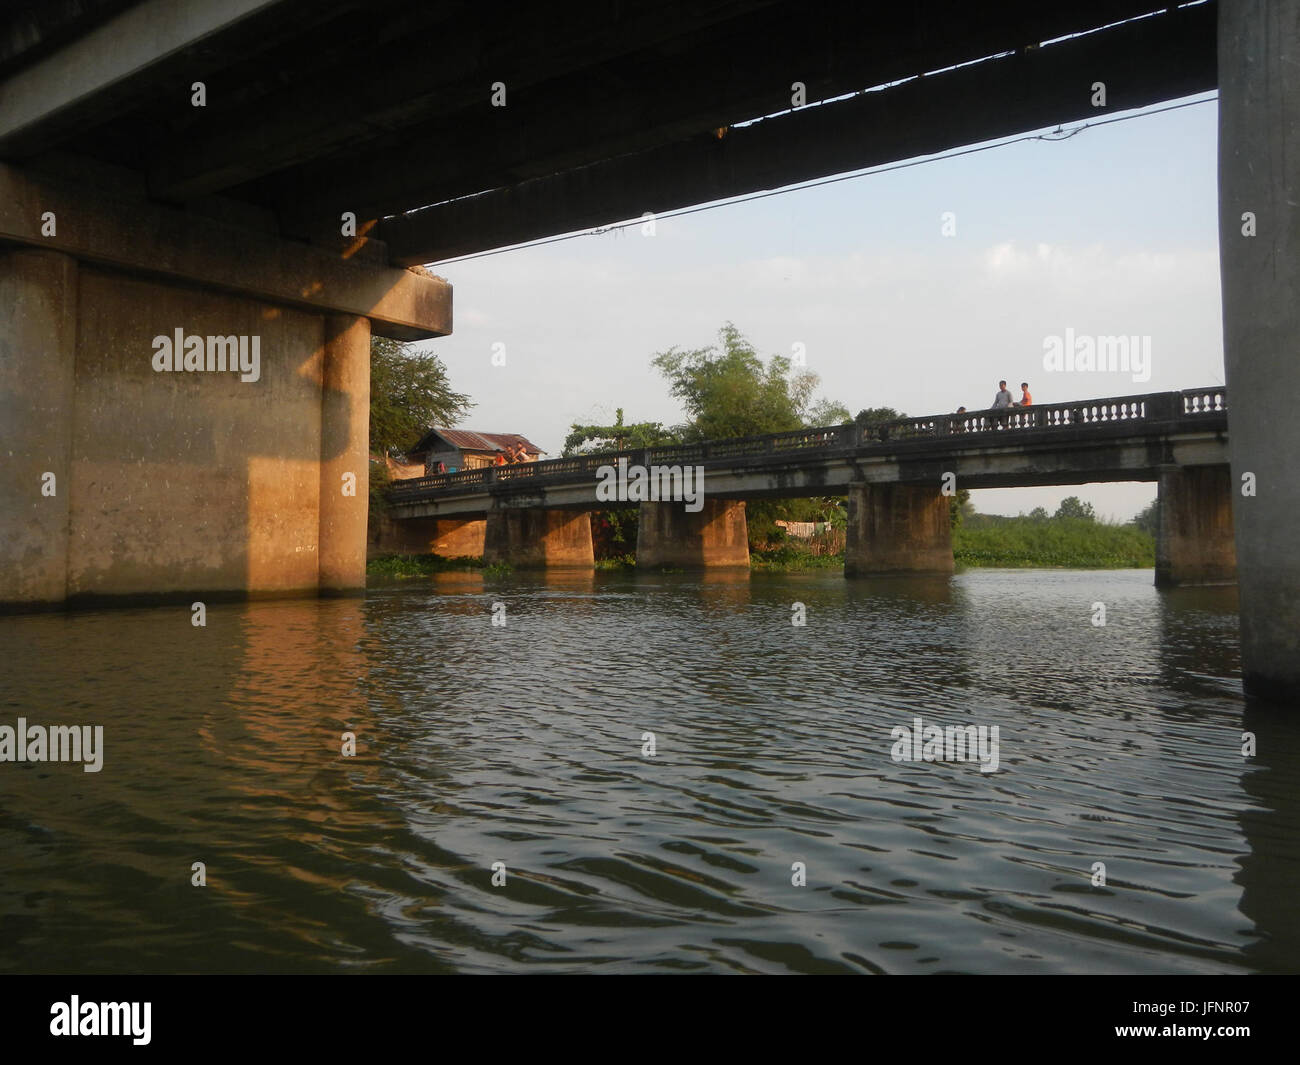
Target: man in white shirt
1002	403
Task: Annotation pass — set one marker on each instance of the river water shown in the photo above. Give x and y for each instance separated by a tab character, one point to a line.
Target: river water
524	743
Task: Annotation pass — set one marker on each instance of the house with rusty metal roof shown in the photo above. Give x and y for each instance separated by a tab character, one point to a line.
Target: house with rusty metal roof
466	449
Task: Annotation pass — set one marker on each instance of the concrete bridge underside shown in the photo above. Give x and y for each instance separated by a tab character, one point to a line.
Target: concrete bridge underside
188	166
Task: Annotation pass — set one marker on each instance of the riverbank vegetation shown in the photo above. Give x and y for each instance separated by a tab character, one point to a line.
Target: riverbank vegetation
1071	542
419	565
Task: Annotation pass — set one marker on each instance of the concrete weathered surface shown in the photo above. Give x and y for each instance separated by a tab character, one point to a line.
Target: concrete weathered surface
448	537
715	536
192	482
105	217
1259	173
531	538
176	483
344	454
37	369
895	528
1194	542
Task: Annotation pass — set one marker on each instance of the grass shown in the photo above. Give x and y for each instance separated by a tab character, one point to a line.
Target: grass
792	558
1073	543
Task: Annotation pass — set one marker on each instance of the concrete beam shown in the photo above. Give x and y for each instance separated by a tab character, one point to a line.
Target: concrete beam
1141	63
148	238
335	108
114	63
647	98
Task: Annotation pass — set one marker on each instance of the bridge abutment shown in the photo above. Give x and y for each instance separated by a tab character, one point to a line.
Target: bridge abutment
896	528
1259	258
715	536
536	538
1194	541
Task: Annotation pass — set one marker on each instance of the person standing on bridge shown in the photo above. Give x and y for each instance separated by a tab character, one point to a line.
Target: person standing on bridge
1001	405
1026	400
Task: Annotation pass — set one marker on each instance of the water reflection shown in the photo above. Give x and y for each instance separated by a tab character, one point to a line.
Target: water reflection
524	743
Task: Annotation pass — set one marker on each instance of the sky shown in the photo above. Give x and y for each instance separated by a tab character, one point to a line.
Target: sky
1112	231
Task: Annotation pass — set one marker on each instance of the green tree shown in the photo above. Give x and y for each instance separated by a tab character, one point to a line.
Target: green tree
590	439
1073	507
828	412
959	507
874	417
1148	518
409	394
728	391
1038	514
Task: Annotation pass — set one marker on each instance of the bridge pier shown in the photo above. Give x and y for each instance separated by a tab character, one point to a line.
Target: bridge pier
37	366
897	528
344	448
447	537
185	394
536	538
715	536
1194	543
1259	260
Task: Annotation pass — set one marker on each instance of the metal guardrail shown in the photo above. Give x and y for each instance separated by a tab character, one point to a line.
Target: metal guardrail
1155	408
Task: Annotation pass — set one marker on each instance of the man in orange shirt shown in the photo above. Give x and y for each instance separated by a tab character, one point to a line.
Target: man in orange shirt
1025	398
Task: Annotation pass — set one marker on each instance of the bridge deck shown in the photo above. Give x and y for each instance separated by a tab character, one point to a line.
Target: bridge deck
1122	438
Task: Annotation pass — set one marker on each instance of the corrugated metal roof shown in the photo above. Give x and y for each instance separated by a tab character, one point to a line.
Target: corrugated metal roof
469	440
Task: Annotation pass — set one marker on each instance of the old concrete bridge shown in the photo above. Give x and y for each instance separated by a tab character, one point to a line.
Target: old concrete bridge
240	169
897	477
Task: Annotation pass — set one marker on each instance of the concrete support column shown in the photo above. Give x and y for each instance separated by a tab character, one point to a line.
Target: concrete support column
38	293
715	536
1194	542
1259	259
532	537
895	528
448	537
344	449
